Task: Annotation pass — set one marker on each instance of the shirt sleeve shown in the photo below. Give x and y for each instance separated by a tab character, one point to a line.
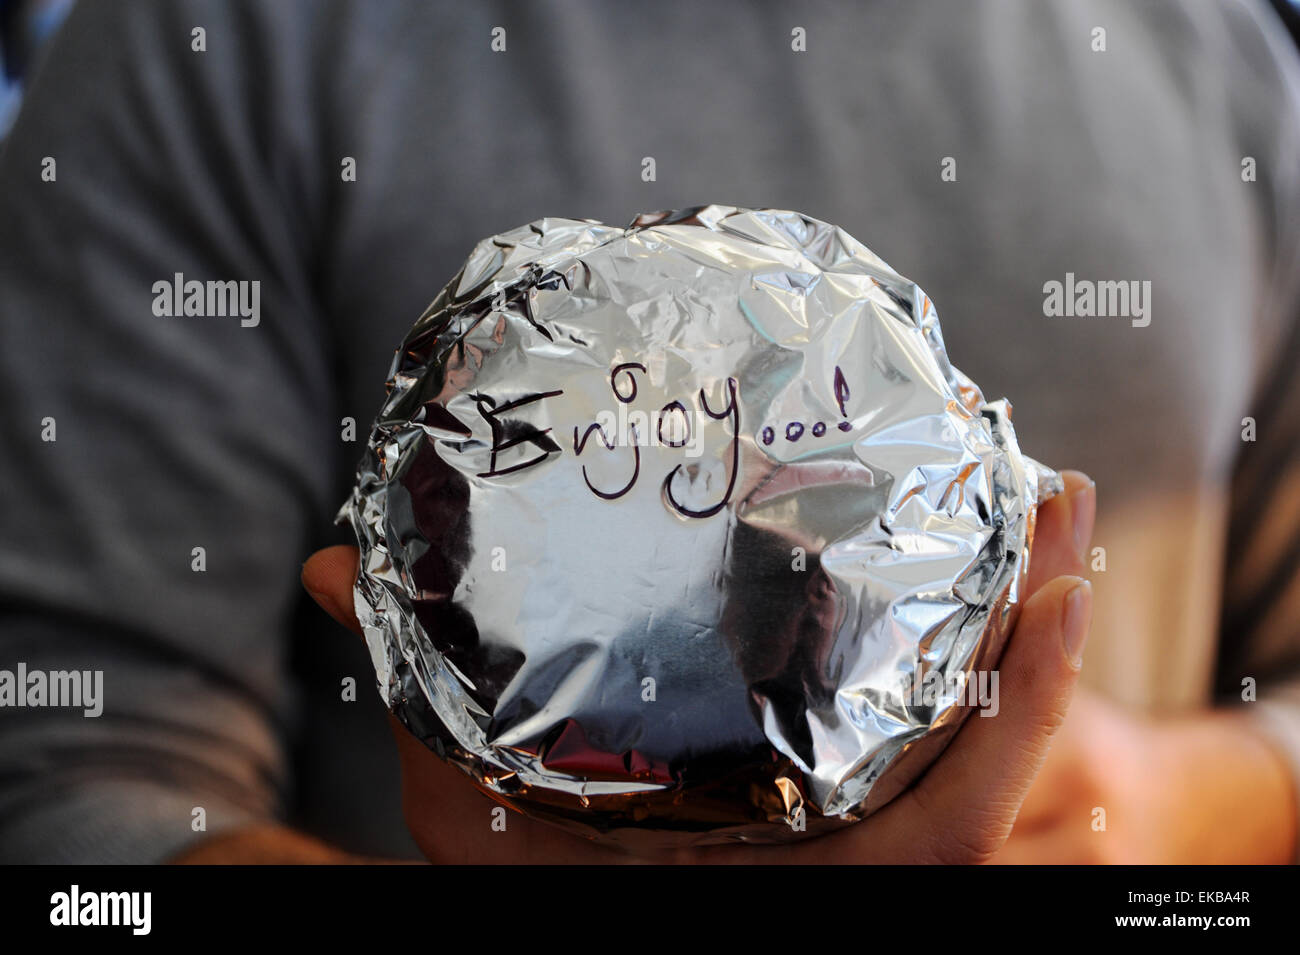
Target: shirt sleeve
161	473
1259	655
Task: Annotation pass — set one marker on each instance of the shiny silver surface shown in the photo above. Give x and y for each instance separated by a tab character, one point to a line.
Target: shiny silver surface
687	531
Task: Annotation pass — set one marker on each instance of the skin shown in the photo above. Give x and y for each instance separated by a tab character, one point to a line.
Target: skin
965	808
1199	789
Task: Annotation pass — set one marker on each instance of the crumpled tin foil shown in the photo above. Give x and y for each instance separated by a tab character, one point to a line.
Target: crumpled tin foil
688	532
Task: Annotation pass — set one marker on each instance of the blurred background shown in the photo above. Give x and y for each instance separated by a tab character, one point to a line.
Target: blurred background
983	149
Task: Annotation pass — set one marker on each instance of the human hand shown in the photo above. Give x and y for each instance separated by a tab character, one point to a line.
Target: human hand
1116	787
960	811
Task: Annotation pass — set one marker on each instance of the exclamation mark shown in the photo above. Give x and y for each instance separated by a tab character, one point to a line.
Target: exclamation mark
841	396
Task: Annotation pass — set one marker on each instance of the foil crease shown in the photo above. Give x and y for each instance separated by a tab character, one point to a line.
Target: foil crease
715	622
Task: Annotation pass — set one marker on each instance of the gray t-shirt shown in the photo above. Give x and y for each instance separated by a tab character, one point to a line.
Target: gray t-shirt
983	149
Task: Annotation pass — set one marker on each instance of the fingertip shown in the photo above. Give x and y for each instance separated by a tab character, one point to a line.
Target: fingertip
328	576
1047	642
1076	615
1083	513
1062	533
310	574
329	566
1076	481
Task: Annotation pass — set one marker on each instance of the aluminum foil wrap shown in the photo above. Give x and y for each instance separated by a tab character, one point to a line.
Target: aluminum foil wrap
688	531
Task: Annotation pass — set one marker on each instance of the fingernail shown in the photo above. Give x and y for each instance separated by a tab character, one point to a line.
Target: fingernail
1083	511
1076	612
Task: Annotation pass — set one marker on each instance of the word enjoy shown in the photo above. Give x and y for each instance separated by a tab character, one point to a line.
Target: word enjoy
674	426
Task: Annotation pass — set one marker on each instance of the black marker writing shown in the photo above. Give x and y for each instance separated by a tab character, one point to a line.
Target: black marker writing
513	431
731	411
795	429
608	442
841	396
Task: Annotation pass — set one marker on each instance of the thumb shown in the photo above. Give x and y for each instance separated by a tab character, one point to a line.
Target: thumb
329	576
971	796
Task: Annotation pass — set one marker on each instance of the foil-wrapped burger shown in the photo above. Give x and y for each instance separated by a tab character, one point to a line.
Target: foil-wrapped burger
688	531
